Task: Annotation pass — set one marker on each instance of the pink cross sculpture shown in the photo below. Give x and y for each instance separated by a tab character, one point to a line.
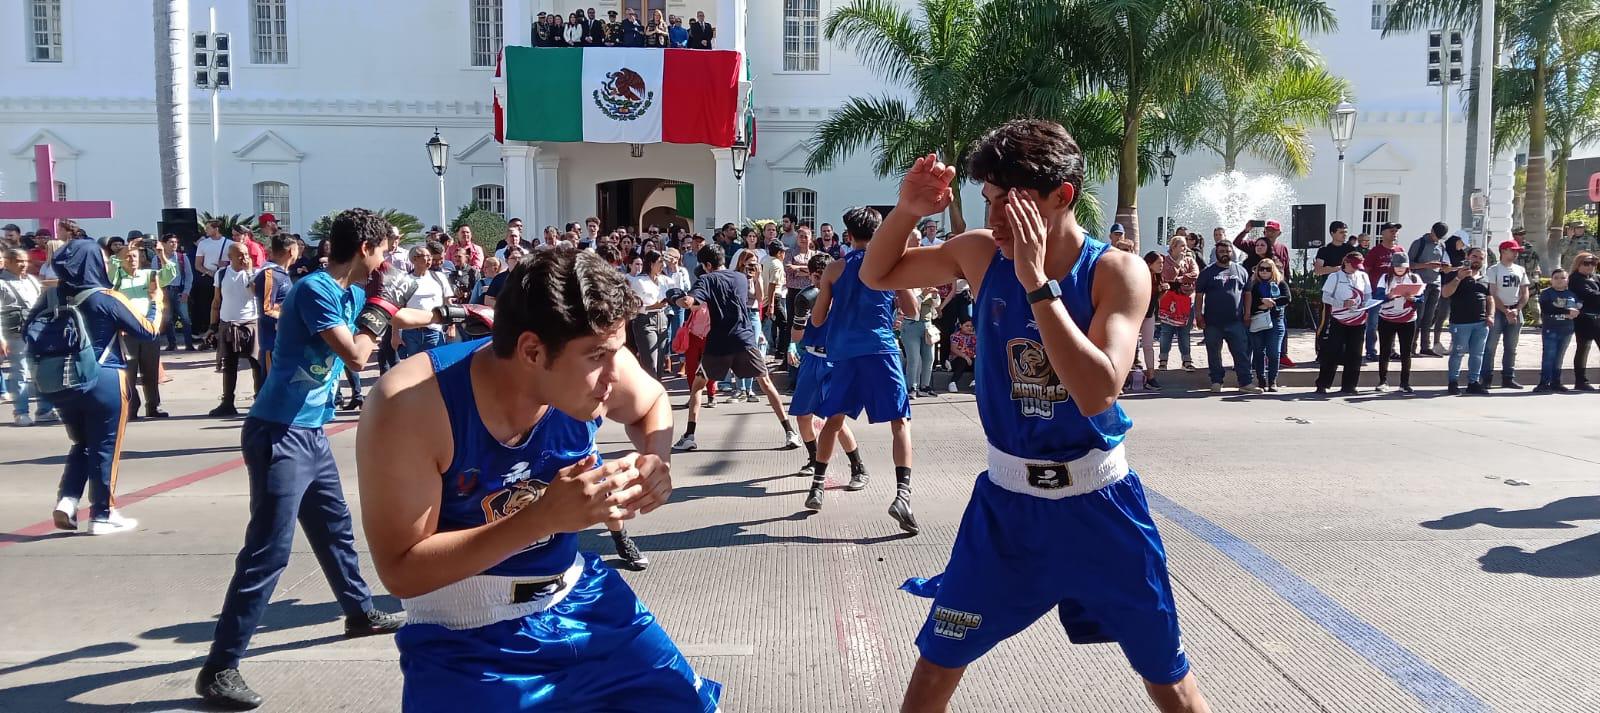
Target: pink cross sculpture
47	210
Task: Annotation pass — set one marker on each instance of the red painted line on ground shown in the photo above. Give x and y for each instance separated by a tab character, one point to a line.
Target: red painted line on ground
46	527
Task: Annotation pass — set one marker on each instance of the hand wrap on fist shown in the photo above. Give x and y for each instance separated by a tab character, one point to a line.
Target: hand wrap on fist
388	290
674	294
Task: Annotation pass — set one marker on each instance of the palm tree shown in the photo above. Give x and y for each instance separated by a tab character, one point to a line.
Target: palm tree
960	81
1571	119
1152	52
172	99
1266	115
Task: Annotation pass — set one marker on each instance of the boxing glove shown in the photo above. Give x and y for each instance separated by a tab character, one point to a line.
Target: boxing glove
449	314
479	321
388	290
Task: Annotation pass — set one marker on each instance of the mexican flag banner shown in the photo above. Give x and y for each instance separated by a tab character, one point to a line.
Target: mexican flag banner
621	95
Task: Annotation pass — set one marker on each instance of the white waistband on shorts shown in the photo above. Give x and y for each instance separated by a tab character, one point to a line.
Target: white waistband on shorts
484	599
1054	481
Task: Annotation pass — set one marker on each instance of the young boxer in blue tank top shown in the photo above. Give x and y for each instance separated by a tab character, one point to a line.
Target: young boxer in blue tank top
867	375
808	353
1058	521
479	467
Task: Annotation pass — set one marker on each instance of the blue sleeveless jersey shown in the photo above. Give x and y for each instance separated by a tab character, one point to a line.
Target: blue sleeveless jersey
860	320
488	480
1024	408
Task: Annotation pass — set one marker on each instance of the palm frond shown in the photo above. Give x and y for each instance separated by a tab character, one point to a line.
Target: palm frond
860	121
882	33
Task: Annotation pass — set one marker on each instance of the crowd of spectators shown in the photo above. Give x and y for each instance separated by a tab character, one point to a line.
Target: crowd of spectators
586	29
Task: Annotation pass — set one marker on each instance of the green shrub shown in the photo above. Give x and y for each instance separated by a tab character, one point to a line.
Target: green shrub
488	227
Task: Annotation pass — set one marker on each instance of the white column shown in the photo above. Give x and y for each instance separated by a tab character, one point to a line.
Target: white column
726	195
547	190
1485	72
517	158
1502	176
730	22
516	22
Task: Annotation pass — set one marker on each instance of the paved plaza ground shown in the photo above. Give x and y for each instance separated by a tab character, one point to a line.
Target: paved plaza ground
1366	554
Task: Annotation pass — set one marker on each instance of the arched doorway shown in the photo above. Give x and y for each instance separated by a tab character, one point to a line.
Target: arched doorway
640	202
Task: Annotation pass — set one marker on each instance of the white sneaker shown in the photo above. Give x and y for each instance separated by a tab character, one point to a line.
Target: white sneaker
1216	388
1250	389
66	514
792	441
48	417
112	524
22	419
685	444
953	388
1382	388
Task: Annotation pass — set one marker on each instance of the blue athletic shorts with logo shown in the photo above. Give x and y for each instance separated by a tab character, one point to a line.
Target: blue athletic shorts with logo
1094	558
875	383
598	649
809	381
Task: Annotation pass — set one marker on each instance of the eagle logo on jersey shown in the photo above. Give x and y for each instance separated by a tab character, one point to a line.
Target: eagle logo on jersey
1034	384
520	491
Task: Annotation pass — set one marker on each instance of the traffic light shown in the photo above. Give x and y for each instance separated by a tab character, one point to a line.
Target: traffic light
1453	53
203	60
1435	57
222	60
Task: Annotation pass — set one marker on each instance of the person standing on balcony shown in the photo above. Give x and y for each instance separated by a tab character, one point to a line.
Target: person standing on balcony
677	36
701	33
632	31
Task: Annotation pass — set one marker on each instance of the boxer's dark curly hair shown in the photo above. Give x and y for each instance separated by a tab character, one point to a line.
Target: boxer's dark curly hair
1028	153
560	294
353	228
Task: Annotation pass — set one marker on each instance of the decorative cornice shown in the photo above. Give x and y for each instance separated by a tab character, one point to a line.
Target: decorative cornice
291	112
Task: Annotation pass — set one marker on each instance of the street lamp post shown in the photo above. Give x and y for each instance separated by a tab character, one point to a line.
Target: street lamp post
1342	122
439	156
740	153
1168	161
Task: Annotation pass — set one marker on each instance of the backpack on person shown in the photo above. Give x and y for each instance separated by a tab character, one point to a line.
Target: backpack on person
60	350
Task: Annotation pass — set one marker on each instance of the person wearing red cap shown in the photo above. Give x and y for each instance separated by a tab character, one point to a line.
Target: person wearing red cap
269	226
1508	294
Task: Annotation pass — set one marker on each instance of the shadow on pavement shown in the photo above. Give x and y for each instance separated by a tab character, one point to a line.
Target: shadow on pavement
1556	515
1574	559
56	695
129	455
731	534
281	615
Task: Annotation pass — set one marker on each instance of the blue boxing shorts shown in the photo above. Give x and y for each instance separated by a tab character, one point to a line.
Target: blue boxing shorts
1095	558
595	649
875	383
809	381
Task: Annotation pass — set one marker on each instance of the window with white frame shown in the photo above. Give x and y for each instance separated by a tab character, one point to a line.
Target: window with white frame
485	27
802	204
802	28
1376	210
61	190
44	36
489	197
269	31
273	197
1380	13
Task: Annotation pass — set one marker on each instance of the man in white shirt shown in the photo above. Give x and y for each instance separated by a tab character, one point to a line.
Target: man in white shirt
433	290
776	301
19	293
930	232
1508	294
233	323
210	254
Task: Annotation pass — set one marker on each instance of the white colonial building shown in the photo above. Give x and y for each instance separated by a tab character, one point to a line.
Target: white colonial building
333	101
